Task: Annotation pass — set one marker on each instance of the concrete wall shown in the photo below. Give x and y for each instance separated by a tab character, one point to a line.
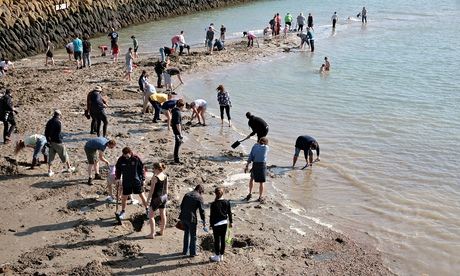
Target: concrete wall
26	24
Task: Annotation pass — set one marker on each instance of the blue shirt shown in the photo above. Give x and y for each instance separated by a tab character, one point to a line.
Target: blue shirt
99	143
77	45
258	153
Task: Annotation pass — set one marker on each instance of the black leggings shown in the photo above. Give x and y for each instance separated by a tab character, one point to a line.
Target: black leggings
219	238
227	110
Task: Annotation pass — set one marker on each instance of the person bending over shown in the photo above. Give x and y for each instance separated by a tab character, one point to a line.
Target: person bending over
307	144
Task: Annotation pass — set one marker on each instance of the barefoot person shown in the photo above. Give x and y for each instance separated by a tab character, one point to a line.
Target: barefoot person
191	202
258	126
37	142
327	64
307	144
221	216
135	46
91	148
224	103
53	134
78	51
130	166
334	19
129	64
168	73
258	158
198	108
49	53
157	198
301	20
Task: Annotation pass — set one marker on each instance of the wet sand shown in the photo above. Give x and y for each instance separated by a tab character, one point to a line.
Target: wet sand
60	225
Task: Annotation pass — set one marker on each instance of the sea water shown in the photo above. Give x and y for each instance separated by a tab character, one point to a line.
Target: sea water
386	117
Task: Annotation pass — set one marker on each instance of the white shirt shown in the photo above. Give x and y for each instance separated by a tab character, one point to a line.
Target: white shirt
200	103
181	40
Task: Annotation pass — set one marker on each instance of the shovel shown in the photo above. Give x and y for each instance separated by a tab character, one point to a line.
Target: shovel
117	216
237	143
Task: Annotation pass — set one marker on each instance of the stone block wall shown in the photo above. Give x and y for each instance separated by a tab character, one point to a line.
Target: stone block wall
25	25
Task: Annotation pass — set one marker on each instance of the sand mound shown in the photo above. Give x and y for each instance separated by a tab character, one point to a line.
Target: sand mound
8	166
94	268
123	248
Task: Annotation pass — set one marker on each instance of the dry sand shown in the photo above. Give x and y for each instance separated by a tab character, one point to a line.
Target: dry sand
60	226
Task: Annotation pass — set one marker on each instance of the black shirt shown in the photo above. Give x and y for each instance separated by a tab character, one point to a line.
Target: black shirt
6	104
97	103
86	46
53	130
304	143
220	210
176	119
173	71
310	21
191	202
132	170
258	125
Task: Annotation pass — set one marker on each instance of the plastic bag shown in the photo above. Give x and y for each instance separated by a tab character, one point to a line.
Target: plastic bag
229	237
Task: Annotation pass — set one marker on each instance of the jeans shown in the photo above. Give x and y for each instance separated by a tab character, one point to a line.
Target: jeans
178	142
9	125
189	238
39	147
156	105
162	54
219	238
101	117
227	110
86	60
160	78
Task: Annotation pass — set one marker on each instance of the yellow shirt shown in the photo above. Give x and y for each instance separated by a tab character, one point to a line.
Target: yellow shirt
159	97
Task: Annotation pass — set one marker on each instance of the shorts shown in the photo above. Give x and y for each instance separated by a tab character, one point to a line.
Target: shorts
60	150
115	51
77	55
209	43
132	188
305	152
91	155
69	51
155	206
49	54
129	68
259	172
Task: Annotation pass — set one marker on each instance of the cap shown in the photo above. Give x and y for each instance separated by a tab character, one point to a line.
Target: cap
57	112
98	88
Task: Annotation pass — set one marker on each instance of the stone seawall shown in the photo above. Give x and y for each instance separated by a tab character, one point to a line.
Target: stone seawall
25	25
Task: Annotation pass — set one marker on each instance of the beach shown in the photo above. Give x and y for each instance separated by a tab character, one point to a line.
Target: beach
60	225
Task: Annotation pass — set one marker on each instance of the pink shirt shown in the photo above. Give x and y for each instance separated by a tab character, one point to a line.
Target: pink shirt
175	39
251	36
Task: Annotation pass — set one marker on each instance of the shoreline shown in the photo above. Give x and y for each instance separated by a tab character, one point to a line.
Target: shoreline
75	227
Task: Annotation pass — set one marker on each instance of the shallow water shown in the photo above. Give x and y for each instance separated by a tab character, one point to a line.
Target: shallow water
386	118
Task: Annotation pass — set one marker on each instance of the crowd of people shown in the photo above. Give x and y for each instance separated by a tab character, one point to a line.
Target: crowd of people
128	173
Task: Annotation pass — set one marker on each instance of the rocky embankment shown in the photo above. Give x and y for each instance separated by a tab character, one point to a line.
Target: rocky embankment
26	25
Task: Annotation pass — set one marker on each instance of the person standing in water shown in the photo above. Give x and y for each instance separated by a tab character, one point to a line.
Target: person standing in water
311	39
364	15
307	144
310	21
258	158
135	46
258	126
334	19
327	65
224	103
300	22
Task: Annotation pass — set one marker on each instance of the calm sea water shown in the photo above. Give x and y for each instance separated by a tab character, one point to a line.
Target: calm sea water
386	117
